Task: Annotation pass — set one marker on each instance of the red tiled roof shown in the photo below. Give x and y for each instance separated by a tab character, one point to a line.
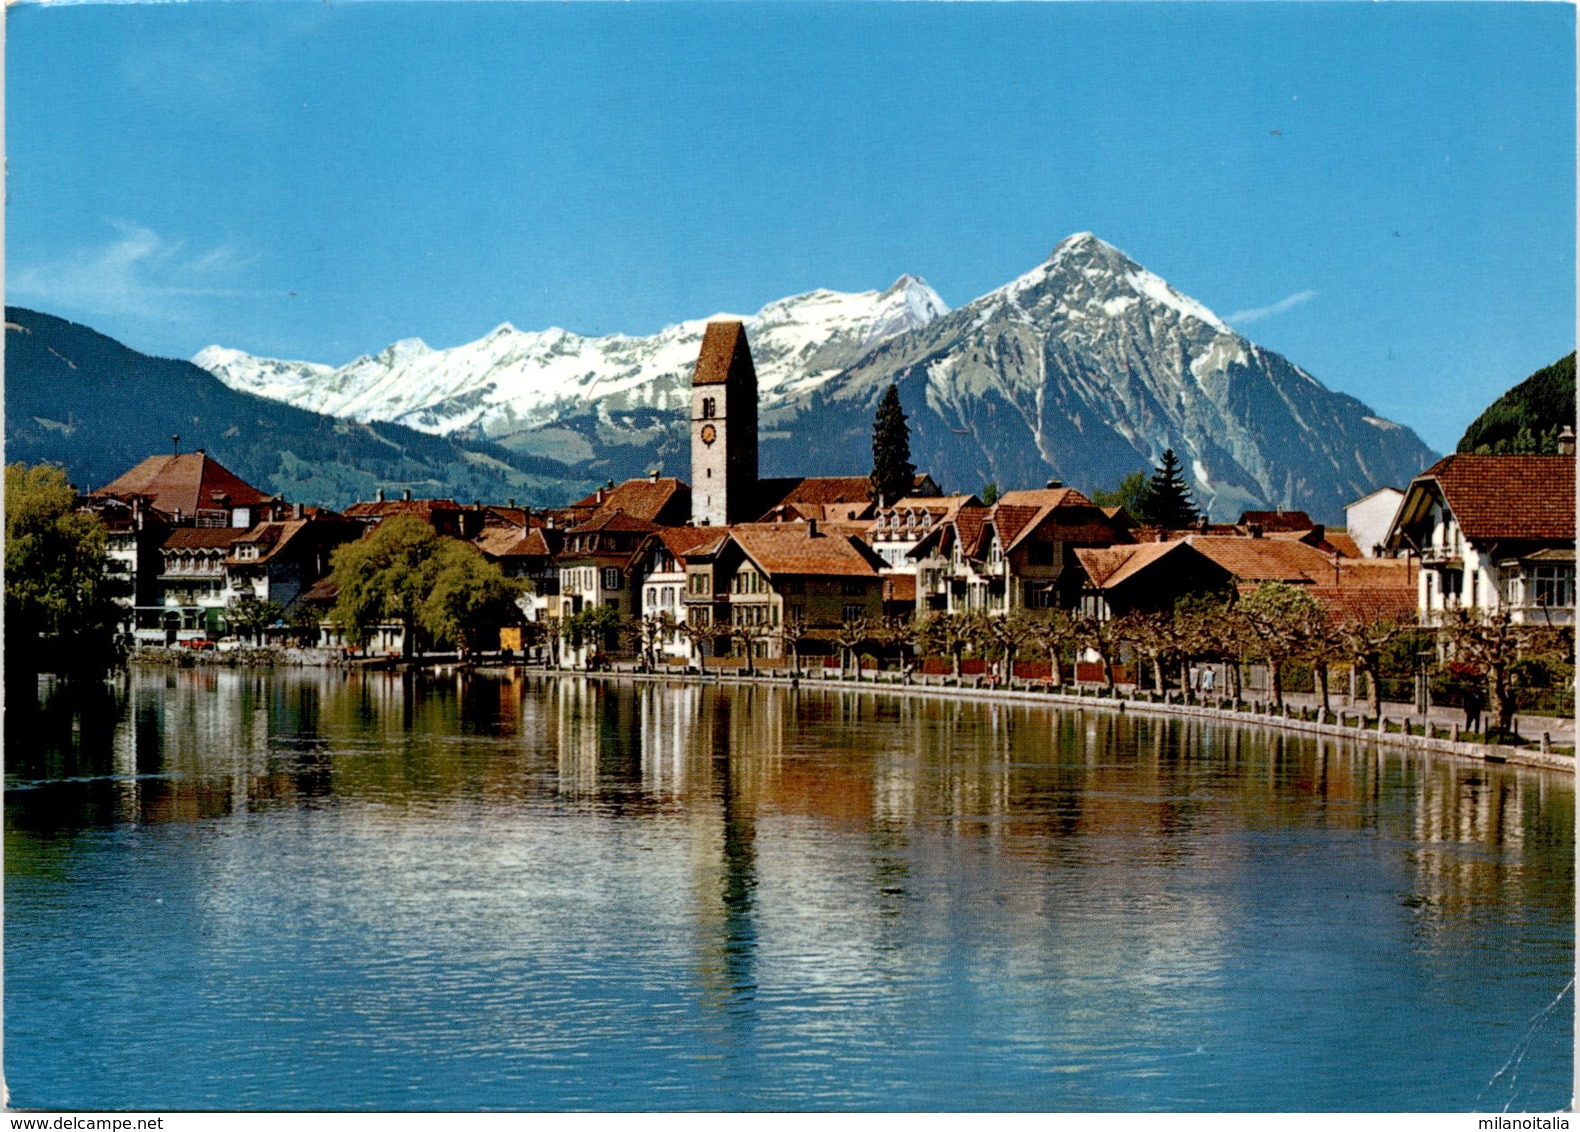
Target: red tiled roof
204	538
1045	497
613	521
270	538
385	508
1271	521
1266	560
1395	573
186	483
1360	605
510	542
830	489
1011	520
724	352
1343	543
644	498
1508	497
683	540
782	549
1108	567
968	524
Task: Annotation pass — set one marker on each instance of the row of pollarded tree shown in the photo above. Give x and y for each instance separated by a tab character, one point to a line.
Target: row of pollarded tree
1478	657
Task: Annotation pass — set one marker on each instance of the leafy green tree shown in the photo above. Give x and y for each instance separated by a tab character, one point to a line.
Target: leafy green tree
59	615
989	493
467	596
406	573
384	578
892	470
1131	494
1168	500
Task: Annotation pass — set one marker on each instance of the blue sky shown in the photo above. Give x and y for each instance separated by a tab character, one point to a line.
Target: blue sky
1385	193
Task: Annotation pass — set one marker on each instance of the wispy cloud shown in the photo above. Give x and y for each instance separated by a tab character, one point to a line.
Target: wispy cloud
139	273
1257	313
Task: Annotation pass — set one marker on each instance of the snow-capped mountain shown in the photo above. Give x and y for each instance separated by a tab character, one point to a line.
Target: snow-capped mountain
1084	368
519	388
1088	367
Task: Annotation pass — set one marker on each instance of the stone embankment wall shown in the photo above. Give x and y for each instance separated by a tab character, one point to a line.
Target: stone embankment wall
1390	730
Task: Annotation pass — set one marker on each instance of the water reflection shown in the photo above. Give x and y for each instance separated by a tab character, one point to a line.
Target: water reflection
769	898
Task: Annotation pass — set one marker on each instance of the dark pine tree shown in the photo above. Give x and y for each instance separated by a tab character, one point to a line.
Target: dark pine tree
1168	501
893	474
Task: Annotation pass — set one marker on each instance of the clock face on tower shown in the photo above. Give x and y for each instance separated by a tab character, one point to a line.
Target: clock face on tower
709	434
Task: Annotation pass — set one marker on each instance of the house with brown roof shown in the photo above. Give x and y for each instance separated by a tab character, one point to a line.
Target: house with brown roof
1152	576
445	516
1017	554
661	574
1145	577
193	489
1491	532
663	500
280	560
596	565
773	576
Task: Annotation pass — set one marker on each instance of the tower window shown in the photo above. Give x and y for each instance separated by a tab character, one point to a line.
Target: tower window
707	408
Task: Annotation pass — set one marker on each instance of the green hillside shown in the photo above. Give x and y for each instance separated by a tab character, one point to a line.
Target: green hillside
1528	418
77	398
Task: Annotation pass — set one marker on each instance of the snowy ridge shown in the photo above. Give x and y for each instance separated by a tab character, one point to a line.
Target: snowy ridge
511	380
1085	368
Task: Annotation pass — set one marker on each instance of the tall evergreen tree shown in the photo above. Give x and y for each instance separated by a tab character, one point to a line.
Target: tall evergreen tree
893	474
1168	501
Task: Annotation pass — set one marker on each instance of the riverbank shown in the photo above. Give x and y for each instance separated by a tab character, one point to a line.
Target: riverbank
1399	730
1399	727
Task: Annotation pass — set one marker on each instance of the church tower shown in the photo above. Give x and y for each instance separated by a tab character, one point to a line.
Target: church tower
723	428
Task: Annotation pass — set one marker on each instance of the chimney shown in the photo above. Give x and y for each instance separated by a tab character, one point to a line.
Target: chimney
1319	532
1566	442
477	505
175	443
811	528
598	496
378	495
511	502
199	451
1254	529
652	476
406	495
1055	483
297	511
1201	524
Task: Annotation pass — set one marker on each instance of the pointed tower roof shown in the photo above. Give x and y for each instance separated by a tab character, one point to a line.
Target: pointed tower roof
725	356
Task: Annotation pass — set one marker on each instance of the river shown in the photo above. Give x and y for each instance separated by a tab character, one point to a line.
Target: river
235	890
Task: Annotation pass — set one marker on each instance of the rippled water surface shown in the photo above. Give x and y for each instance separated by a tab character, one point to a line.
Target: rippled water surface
232	890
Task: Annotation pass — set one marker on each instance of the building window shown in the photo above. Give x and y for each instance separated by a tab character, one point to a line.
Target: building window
611	578
1552	586
854	587
707	408
855	612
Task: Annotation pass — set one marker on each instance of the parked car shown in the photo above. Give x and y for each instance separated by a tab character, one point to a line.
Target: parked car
199	643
